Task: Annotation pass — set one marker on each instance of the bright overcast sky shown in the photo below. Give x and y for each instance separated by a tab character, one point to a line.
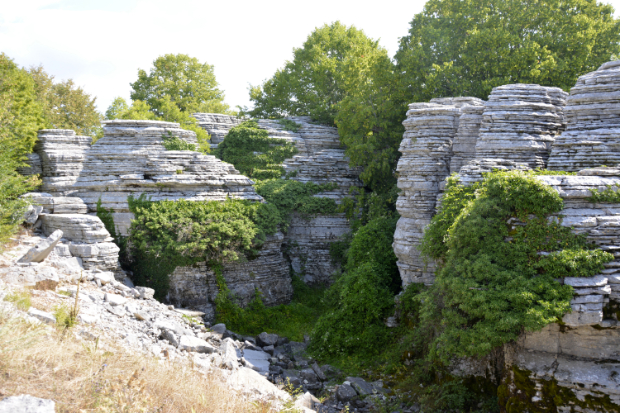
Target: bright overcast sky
101	44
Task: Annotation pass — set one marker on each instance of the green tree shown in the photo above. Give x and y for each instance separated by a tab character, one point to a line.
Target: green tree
65	105
116	109
20	118
315	80
168	111
467	47
22	115
189	84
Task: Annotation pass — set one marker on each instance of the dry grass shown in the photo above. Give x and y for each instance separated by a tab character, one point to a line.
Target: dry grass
81	377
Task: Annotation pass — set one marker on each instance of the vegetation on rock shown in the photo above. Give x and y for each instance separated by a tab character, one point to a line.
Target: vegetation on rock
254	153
500	256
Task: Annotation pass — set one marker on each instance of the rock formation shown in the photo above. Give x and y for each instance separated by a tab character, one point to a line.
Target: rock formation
592	112
131	159
195	287
520	123
426	147
570	367
320	159
217	125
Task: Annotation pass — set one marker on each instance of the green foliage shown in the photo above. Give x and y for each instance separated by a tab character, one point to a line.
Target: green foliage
253	153
289	125
289	196
189	84
313	82
167	111
496	279
65	317
608	195
174	143
465	48
362	297
107	217
21	114
293	320
168	234
65	105
21	299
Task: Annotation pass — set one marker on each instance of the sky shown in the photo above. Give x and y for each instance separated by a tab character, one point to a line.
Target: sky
101	44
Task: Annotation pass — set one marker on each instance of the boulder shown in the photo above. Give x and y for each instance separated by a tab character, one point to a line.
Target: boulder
114	299
219	328
42	249
257	360
345	393
146	293
265	339
194	344
32	214
361	386
27	404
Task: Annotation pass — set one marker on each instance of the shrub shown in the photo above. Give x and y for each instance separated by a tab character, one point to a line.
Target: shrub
254	153
494	282
21	299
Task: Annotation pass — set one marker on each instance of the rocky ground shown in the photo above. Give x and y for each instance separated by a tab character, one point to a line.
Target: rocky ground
258	368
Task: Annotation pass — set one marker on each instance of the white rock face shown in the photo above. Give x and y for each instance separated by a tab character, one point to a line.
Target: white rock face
424	165
217	125
592	136
520	123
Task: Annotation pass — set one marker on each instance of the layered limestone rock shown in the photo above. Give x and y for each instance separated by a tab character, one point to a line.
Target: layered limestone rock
520	123
319	159
61	153
424	165
592	136
464	143
131	159
217	125
196	287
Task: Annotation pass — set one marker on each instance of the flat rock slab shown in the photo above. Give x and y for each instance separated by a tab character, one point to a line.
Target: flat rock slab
114	299
257	361
596	281
27	404
361	386
42	249
43	316
195	345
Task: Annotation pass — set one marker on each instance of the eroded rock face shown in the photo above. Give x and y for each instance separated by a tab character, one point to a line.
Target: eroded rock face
131	159
320	159
424	165
520	123
592	136
195	287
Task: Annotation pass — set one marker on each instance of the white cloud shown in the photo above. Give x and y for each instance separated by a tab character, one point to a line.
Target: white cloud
101	44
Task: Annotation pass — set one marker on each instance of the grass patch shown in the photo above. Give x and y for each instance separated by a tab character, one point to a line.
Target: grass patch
82	377
22	299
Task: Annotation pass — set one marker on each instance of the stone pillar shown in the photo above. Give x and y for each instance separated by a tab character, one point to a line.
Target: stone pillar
592	136
424	165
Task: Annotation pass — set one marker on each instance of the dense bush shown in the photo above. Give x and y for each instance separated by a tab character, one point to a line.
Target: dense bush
253	153
362	297
494	282
168	234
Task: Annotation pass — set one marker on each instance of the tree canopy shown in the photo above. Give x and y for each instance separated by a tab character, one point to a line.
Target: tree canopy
467	47
65	105
316	79
189	84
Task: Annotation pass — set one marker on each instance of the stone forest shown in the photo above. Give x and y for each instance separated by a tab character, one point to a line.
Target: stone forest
395	250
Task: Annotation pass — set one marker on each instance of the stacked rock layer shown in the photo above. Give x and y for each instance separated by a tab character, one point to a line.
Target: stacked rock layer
424	165
520	123
216	125
592	136
320	159
131	159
